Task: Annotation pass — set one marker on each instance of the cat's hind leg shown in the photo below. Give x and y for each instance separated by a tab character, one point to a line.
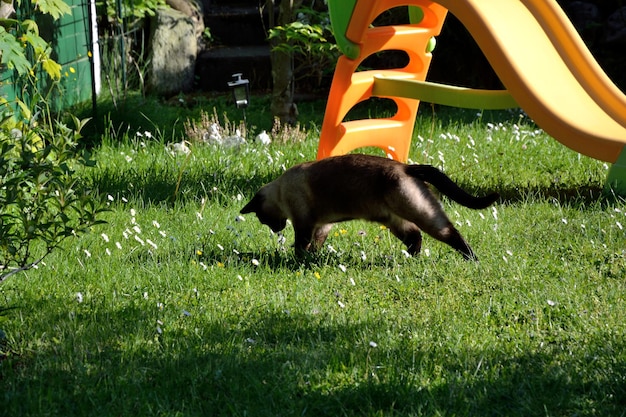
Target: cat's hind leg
407	232
421	209
452	237
319	236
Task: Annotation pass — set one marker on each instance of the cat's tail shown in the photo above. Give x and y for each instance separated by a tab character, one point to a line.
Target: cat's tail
446	186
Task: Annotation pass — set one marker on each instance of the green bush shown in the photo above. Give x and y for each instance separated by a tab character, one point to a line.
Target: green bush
309	39
41	201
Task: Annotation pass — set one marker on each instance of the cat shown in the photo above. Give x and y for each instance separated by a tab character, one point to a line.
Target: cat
315	195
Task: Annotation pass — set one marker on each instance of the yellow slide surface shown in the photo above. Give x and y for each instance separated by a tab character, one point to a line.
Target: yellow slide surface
546	67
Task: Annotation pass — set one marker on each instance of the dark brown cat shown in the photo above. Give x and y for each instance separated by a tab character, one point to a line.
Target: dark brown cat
314	195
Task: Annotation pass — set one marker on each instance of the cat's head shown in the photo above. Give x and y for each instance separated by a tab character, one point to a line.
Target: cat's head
266	210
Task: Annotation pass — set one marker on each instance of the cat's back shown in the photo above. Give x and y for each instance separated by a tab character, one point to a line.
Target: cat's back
353	176
352	166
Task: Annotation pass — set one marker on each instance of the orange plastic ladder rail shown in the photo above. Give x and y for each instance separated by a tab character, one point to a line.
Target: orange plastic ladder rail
350	86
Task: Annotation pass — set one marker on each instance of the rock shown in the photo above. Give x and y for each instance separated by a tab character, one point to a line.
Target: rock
616	26
213	136
192	9
586	18
583	14
234	140
263	138
178	148
173	51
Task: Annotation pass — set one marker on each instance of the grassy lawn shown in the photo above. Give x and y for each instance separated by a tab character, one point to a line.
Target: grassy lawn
179	307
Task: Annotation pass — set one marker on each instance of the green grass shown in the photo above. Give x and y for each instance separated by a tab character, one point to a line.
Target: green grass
199	313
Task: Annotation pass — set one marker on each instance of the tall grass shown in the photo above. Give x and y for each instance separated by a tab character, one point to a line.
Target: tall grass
181	307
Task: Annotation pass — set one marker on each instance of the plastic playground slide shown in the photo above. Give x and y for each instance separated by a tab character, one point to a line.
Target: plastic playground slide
547	69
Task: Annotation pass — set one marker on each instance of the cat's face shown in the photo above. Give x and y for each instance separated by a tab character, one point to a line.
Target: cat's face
267	213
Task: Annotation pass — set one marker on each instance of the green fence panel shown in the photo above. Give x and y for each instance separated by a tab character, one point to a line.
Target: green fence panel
71	45
71	42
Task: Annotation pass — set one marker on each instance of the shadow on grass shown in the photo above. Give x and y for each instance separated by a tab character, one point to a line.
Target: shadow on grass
263	362
160	184
165	119
283	259
571	196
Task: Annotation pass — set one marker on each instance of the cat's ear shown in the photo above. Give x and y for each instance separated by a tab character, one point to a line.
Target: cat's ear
253	205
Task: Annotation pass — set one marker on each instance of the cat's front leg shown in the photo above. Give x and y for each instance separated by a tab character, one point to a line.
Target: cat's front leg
303	235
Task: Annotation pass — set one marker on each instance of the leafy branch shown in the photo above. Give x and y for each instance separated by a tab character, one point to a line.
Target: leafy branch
310	40
42	203
22	48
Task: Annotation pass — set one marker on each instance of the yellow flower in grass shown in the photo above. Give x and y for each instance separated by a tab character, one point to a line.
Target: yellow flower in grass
317	275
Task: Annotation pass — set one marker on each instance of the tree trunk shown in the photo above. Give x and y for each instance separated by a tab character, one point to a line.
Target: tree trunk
6	9
283	106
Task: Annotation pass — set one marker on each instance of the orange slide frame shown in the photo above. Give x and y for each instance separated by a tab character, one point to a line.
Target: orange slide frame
532	46
350	86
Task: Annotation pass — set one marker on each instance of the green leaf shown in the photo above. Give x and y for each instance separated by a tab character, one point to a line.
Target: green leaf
29	25
12	53
55	8
24	109
52	68
38	43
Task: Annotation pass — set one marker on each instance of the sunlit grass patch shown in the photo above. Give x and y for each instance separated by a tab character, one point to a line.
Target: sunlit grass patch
181	306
